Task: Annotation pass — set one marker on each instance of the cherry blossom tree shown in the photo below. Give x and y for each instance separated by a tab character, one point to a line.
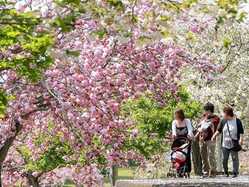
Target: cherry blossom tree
104	53
23	58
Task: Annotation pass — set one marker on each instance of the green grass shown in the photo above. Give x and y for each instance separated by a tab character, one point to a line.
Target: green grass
123	173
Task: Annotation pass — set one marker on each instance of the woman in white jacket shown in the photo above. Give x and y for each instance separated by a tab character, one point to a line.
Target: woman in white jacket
182	127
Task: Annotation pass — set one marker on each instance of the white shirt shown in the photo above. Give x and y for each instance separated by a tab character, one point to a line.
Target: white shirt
227	140
204	125
188	125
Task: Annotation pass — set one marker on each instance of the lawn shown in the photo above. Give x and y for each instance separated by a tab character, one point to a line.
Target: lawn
123	173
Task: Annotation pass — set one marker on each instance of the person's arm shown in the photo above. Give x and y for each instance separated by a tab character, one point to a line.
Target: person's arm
216	122
241	132
241	140
198	130
219	130
215	135
212	127
173	129
197	135
190	128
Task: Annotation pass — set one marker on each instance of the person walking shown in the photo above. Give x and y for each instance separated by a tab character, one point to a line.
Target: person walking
182	127
232	132
206	130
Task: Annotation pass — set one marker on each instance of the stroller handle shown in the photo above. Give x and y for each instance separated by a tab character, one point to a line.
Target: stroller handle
177	143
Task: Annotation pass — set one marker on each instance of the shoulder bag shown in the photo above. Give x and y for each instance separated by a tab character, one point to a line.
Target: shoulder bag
236	146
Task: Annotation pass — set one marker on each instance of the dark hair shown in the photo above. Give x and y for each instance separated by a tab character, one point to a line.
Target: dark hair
209	107
228	111
180	113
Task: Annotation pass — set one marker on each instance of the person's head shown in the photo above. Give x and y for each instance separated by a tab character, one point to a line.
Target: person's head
179	115
207	116
208	108
228	113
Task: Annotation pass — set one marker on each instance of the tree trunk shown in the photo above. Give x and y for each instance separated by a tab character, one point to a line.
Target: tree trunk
113	175
7	144
196	157
1	175
32	180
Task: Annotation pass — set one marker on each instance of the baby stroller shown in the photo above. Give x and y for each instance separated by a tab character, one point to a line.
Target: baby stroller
179	157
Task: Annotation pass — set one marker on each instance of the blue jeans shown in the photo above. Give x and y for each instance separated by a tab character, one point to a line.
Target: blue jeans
235	160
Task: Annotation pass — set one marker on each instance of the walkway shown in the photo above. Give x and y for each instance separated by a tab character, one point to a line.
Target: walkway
242	181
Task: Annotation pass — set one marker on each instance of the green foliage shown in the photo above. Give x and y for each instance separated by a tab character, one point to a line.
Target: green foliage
28	47
229	5
93	9
3	103
73	53
230	10
101	33
70	2
23	48
65	23
53	157
189	3
153	122
227	42
117	4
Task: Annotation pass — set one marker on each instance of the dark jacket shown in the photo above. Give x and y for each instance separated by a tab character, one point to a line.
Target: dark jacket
240	129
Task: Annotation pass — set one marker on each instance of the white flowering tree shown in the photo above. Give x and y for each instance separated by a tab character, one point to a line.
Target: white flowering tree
220	32
225	41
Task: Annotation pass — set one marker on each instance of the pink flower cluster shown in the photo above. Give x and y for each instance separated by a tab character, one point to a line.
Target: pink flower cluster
88	175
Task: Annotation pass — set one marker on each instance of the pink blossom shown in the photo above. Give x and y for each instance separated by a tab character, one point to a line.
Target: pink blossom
21	6
83	95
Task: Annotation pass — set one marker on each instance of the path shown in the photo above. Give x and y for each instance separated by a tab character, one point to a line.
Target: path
242	181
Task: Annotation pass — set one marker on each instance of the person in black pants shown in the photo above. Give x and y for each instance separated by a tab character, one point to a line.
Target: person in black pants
231	129
182	127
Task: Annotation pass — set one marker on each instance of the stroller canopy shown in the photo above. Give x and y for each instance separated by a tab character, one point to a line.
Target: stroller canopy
180	143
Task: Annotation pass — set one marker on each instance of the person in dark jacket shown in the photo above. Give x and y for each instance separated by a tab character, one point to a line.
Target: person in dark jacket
206	130
231	129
